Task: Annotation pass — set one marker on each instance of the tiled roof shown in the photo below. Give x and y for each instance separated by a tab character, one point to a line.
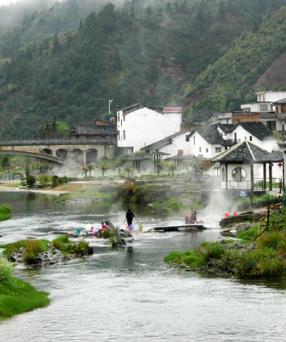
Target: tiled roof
226	128
246	152
257	129
282	101
210	134
162	143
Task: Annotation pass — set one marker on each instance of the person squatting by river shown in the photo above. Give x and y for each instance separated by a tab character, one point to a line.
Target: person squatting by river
129	218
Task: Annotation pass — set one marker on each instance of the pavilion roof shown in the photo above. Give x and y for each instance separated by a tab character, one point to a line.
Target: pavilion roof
247	152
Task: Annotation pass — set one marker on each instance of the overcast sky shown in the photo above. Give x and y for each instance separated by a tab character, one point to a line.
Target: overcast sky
7	2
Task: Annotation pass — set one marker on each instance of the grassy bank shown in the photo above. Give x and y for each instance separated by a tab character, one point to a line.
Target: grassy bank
16	295
5	213
259	254
33	252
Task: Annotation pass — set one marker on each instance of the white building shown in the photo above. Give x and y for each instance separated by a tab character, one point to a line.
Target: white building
140	126
205	142
208	141
264	101
255	132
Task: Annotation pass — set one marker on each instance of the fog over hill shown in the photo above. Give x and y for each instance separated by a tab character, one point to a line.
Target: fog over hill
66	62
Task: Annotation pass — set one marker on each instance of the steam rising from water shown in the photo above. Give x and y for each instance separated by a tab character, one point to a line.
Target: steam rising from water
219	202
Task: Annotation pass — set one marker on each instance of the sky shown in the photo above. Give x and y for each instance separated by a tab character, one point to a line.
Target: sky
7	2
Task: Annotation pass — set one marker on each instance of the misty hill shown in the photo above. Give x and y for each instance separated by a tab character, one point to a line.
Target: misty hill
255	62
204	53
32	21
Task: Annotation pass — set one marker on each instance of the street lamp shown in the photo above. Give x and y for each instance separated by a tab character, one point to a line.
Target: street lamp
109	105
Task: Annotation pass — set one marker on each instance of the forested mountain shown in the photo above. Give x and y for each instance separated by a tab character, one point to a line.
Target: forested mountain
205	54
23	24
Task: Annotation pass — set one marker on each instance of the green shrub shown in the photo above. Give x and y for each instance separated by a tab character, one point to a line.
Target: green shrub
5	212
193	259
272	239
63	244
44	180
259	263
33	249
174	258
31	180
211	250
14	247
80	248
55	181
5	271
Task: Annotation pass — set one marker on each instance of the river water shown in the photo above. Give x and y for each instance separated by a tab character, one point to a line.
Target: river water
131	294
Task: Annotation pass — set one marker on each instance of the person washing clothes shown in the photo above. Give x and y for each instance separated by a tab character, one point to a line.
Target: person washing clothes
129	218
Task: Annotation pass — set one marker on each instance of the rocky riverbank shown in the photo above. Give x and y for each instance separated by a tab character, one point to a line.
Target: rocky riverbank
42	252
258	252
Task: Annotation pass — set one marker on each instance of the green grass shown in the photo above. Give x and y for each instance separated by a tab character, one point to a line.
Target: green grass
16	295
67	247
265	261
249	234
5	213
31	249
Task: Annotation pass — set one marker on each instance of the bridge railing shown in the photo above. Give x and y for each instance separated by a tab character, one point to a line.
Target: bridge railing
99	141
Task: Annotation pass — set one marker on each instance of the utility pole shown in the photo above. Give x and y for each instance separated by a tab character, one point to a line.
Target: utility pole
109	106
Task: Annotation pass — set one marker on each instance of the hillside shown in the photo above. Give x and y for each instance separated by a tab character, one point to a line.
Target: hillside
24	24
206	53
254	62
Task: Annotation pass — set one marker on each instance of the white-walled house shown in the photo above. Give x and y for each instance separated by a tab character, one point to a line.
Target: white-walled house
264	101
140	126
255	132
205	142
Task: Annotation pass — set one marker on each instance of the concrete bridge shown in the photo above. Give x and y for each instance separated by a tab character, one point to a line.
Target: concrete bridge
58	151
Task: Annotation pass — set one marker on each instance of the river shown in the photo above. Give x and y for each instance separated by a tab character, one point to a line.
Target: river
131	294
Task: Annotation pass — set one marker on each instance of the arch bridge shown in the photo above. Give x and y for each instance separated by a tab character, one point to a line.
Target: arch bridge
58	151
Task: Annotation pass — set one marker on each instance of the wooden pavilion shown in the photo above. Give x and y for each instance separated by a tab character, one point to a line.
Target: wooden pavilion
248	167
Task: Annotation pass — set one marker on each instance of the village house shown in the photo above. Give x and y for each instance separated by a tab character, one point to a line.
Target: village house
210	140
255	132
139	126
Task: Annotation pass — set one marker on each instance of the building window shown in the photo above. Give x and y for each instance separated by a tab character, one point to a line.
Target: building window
239	174
235	136
217	149
124	135
207	150
250	138
121	122
200	149
187	138
264	108
194	140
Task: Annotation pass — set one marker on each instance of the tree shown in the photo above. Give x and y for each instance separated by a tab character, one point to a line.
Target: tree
31	180
104	165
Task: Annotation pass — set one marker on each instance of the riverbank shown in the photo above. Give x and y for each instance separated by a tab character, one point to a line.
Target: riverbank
6	188
16	295
259	252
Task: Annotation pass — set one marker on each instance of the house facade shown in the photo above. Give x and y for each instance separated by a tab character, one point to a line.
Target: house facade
140	126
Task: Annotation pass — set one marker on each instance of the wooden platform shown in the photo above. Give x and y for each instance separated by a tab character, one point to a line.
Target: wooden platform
180	228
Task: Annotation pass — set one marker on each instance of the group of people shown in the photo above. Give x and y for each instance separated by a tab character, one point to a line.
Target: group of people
105	225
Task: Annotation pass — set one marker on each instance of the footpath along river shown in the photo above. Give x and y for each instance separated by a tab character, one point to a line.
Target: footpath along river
131	294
